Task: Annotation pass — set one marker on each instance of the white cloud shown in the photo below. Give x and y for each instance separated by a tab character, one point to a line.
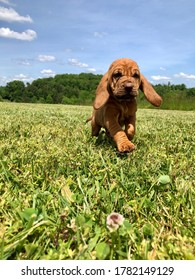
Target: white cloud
48	72
27	35
183	75
11	15
162	68
44	58
7	2
22	77
25	62
92	70
3	80
76	62
160	78
99	34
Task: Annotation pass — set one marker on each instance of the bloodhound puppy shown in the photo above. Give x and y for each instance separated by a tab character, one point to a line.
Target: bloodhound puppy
115	102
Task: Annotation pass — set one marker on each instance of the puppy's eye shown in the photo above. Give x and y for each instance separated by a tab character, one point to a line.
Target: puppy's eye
136	75
117	75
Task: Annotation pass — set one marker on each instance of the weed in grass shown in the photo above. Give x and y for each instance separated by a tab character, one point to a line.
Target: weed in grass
58	185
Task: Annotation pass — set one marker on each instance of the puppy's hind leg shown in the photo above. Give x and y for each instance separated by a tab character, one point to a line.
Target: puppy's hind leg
95	127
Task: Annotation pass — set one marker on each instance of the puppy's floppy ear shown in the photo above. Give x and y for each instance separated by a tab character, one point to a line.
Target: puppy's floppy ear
149	92
102	93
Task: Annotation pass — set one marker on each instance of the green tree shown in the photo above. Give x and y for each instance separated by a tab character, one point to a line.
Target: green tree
15	91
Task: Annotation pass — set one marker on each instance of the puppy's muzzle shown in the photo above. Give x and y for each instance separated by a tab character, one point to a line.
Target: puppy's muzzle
126	92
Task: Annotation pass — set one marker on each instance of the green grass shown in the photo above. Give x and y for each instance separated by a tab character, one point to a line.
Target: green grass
58	185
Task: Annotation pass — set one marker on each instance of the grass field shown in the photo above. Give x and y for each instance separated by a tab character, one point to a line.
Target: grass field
58	185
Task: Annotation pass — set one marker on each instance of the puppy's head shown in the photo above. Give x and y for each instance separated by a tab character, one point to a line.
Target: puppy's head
122	81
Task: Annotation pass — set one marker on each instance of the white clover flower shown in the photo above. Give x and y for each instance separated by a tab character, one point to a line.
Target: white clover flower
113	221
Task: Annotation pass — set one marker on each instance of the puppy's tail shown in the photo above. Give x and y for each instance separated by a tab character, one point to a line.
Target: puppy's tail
89	119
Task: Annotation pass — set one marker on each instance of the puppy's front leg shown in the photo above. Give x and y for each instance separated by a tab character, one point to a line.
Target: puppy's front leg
130	127
122	142
119	136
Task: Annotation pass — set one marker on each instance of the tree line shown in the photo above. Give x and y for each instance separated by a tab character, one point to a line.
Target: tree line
80	89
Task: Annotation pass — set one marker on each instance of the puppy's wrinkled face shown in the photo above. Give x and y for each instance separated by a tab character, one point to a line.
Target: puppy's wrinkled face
124	79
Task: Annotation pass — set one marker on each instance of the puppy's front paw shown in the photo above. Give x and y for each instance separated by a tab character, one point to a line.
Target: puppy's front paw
126	147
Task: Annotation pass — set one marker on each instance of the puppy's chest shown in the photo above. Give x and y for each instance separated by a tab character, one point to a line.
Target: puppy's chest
126	111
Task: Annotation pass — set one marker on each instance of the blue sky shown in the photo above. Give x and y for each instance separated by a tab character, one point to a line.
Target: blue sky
48	37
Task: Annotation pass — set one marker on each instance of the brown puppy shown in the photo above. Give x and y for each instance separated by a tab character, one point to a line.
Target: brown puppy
115	102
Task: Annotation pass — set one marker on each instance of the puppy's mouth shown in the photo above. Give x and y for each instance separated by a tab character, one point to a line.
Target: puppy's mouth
125	91
126	96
